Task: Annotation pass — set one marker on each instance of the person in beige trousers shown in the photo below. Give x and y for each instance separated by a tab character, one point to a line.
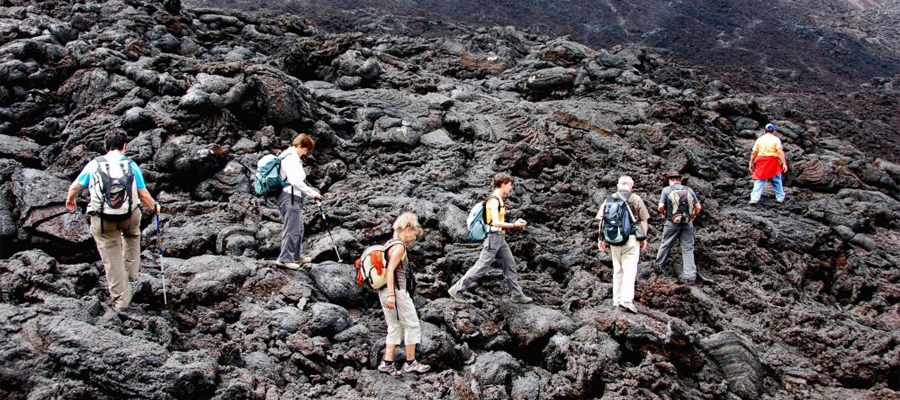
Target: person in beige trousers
396	301
625	258
115	216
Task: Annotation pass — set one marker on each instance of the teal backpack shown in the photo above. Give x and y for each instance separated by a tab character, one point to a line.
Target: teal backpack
268	180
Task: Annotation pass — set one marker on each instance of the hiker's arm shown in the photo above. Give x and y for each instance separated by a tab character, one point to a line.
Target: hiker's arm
662	210
600	243
697	208
74	189
296	176
495	218
753	159
783	159
147	200
395	254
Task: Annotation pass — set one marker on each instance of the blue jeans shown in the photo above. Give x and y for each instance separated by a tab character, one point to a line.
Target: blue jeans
758	187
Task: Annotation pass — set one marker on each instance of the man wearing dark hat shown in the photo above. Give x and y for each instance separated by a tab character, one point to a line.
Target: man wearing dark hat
679	206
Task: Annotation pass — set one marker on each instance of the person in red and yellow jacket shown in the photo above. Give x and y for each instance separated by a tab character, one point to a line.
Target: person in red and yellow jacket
767	162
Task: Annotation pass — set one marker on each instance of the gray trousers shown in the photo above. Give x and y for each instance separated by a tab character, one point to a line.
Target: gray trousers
292	234
685	233
495	248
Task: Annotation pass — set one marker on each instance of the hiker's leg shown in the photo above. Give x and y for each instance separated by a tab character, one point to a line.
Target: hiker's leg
631	253
301	229
689	270
411	352
488	254
389	351
669	235
409	320
616	253
779	189
508	263
131	235
394	329
290	235
758	187
109	245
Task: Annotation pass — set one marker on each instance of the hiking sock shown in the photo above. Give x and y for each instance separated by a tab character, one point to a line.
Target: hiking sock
387	362
411	362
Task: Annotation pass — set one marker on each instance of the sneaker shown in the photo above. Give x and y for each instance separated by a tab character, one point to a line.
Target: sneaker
752	202
415	366
523	299
287	264
303	260
780	201
629	307
389	369
458	297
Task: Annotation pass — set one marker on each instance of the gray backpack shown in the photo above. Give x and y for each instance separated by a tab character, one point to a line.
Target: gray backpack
681	205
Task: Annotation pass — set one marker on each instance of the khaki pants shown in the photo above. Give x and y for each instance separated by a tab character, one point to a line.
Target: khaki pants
402	322
625	260
119	244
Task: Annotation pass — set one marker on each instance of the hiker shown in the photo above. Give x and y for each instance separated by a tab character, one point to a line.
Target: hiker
679	206
115	184
495	247
290	202
767	162
396	299
626	253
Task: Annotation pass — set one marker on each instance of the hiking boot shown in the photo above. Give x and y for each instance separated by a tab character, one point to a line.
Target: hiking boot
752	202
523	299
459	297
630	307
303	260
780	201
415	366
389	369
287	264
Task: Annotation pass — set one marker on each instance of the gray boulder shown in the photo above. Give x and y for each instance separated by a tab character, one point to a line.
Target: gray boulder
328	319
495	368
337	282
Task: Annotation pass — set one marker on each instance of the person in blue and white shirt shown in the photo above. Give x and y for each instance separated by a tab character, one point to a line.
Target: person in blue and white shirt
115	216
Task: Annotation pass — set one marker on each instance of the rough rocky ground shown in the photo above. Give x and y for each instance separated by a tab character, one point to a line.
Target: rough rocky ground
799	301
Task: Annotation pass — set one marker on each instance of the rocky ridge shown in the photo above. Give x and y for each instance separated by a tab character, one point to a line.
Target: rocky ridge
799	302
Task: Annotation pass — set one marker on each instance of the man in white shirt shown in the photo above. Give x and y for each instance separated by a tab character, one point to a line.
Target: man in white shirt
291	199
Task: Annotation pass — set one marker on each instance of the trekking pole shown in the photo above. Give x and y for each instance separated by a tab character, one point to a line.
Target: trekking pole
325	221
162	267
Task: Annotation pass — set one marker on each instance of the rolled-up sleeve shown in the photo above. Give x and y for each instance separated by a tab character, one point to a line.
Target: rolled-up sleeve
138	176
84	178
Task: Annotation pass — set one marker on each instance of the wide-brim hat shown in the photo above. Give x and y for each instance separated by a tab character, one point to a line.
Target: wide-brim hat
673	175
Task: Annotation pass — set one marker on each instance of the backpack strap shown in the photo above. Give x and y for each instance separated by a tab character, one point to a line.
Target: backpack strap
499	204
387	255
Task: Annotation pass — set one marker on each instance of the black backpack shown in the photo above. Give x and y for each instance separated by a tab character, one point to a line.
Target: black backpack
617	225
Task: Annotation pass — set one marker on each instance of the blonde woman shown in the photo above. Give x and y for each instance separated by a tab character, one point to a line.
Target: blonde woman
396	301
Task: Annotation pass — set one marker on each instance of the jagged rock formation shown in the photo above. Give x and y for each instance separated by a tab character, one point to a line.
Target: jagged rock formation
800	299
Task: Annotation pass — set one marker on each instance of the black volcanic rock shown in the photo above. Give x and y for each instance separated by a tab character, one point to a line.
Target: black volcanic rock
796	300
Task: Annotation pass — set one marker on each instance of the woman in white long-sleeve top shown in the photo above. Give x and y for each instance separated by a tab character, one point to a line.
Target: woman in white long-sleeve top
290	202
